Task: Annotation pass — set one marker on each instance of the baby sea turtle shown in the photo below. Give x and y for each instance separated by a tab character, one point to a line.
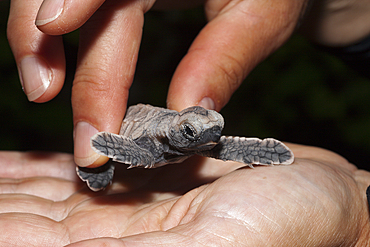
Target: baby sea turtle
151	137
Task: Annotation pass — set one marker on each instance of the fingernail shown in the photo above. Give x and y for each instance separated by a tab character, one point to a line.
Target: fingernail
207	103
35	75
49	11
84	155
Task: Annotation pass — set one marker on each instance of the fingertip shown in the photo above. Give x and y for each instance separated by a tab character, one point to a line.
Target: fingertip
84	155
41	79
49	11
35	76
207	103
198	82
40	57
57	17
93	161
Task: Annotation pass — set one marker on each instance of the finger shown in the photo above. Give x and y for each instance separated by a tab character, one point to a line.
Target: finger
237	38
40	187
19	229
108	52
40	57
36	164
57	17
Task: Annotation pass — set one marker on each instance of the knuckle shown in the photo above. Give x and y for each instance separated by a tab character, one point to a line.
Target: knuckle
98	87
233	71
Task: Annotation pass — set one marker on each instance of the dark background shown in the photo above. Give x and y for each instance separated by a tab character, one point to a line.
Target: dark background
299	94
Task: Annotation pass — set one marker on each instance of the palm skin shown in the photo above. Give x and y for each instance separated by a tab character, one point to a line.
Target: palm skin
318	201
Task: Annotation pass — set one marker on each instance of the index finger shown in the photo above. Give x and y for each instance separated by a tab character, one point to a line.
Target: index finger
108	52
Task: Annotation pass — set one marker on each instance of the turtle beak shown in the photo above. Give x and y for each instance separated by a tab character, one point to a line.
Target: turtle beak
207	146
213	134
211	137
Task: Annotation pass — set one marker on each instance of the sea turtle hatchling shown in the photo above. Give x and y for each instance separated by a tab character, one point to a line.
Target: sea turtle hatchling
151	137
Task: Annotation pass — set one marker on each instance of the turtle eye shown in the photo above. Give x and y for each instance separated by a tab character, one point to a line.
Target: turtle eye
189	132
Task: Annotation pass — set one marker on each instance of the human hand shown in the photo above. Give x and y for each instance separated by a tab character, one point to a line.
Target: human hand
220	57
317	201
238	36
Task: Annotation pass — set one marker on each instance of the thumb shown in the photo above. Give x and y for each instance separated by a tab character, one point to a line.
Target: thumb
237	38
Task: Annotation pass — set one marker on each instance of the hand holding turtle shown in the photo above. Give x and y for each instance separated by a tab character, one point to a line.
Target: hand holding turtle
317	201
152	137
239	35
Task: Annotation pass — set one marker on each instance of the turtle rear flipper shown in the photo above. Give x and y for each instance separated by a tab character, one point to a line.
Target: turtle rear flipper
97	178
251	151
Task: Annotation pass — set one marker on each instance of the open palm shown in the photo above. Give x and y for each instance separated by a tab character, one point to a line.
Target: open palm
317	201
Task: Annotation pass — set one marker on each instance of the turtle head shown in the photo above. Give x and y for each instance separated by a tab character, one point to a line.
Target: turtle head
195	129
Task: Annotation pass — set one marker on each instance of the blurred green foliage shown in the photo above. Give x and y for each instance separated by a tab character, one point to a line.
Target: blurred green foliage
299	94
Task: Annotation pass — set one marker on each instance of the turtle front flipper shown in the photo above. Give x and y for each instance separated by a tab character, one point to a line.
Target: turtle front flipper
96	178
122	149
251	151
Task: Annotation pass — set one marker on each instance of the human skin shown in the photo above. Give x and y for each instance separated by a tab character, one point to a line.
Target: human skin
239	35
319	200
